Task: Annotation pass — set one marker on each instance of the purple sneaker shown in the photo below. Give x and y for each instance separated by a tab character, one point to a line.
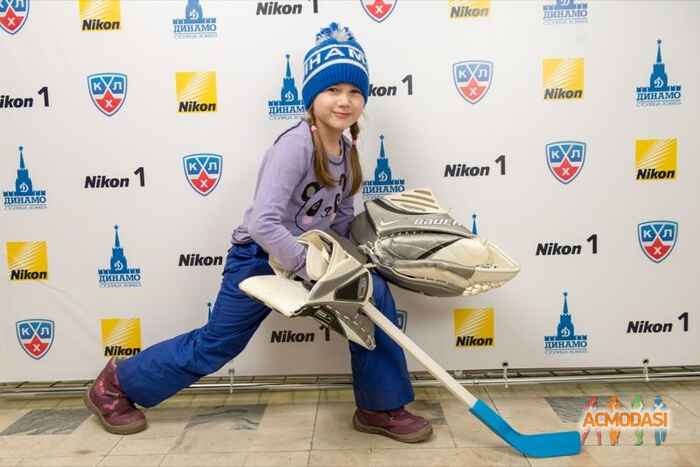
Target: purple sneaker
106	399
399	424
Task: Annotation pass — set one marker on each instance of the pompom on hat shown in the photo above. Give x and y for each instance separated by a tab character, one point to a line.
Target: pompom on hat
336	58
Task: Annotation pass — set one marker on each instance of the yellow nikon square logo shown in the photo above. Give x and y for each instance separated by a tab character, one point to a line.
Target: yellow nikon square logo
27	261
100	15
474	327
121	336
196	91
562	78
656	159
465	9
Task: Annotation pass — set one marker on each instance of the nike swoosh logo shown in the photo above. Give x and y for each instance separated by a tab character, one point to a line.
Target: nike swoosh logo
385	223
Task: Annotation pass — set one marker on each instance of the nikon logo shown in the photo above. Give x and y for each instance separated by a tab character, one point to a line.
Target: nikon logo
559	93
99	25
195	259
102	181
653	174
463	170
555	249
467	12
647	327
277	8
289	336
24	275
474	327
119	351
471	341
194	106
9	102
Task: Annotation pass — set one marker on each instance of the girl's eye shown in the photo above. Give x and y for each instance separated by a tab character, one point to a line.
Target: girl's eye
356	91
332	89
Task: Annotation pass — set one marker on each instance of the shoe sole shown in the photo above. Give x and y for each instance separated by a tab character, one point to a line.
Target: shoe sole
417	437
128	429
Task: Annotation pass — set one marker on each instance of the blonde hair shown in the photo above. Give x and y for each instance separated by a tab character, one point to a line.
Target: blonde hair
323	174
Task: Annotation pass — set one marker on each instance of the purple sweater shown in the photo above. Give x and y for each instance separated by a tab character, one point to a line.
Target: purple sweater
289	200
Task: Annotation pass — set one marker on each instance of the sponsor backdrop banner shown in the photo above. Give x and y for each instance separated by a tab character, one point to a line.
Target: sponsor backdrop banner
565	131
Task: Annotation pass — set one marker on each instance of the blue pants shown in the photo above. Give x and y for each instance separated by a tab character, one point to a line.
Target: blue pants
380	376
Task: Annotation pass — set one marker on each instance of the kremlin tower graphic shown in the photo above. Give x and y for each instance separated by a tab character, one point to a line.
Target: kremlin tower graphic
24	196
566	340
383	183
119	274
289	106
659	91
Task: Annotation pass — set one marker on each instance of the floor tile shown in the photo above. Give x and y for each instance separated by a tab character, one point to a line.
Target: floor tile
339	458
67	461
47	421
277	459
234	459
129	446
146	460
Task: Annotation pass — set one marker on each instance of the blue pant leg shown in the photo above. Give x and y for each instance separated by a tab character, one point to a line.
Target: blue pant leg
380	376
169	366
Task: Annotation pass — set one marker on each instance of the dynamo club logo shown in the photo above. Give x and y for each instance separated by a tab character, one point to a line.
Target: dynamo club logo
107	91
289	105
24	196
13	15
565	159
566	340
194	24
35	336
383	183
472	79
379	10
203	171
659	92
119	273
566	12
657	239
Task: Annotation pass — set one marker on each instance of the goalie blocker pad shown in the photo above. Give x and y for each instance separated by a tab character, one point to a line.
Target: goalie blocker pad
414	243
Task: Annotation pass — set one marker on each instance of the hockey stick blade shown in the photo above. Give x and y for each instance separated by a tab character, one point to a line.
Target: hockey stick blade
565	443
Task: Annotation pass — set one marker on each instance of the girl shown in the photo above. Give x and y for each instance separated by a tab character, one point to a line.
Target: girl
307	181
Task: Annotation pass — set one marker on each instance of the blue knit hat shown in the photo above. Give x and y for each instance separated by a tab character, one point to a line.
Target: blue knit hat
336	58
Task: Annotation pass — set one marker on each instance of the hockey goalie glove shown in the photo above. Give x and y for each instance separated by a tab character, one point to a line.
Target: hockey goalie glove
417	245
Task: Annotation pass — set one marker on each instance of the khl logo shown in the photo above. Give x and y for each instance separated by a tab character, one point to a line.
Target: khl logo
35	336
658	92
566	340
107	91
194	24
379	10
13	15
657	238
24	196
119	274
383	183
472	79
565	159
203	171
566	12
290	105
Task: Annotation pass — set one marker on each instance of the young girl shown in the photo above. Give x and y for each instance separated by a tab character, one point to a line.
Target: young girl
307	181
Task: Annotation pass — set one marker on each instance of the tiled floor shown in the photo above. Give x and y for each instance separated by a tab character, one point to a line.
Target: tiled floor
313	428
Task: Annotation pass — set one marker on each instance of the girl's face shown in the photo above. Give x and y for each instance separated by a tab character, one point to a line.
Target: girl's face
339	106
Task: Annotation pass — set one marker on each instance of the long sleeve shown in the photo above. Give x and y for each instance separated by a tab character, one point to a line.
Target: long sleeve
284	167
344	216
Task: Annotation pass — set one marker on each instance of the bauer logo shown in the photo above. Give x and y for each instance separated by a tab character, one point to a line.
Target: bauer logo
107	91
35	336
289	105
659	92
383	183
13	15
119	273
121	337
656	159
194	24
466	9
379	10
24	196
565	159
472	79
474	327
562	78
100	15
196	91
657	239
27	261
566	340
203	171
565	12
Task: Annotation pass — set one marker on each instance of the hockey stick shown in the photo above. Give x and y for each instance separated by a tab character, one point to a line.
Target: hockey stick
537	445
